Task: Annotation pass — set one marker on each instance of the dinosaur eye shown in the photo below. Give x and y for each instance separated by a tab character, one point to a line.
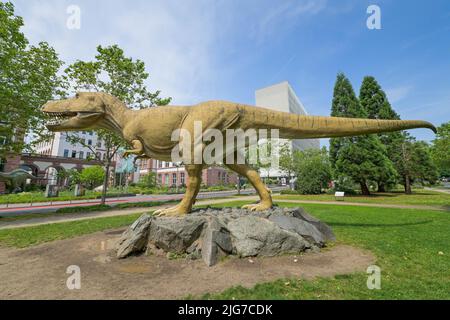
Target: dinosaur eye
77	95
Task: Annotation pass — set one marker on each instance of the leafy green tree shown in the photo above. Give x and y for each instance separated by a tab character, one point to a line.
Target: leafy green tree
92	177
362	158
313	170
375	102
286	161
148	180
28	79
415	163
440	150
114	73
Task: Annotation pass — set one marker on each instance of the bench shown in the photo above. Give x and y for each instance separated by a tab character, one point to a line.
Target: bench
339	195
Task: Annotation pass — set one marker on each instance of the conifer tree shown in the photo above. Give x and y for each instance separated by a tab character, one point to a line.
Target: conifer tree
362	158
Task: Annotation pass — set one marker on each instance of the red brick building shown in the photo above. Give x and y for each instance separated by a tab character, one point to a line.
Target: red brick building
8	164
168	174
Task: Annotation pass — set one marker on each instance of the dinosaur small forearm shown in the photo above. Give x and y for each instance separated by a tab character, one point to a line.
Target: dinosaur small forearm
138	148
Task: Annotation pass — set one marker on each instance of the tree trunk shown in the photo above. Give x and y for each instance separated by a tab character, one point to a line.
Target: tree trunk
364	190
239	184
105	182
381	187
407	185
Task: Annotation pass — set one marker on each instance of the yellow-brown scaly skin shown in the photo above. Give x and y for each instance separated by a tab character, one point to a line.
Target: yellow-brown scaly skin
149	131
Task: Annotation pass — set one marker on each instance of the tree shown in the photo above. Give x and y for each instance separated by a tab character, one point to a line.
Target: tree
376	104
440	150
362	158
28	79
91	177
415	163
148	180
120	76
286	161
313	170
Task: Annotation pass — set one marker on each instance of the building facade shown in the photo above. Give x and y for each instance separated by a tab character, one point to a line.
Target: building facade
170	174
60	146
281	97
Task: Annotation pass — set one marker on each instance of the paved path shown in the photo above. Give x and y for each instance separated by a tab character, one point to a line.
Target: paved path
102	214
46	207
446	191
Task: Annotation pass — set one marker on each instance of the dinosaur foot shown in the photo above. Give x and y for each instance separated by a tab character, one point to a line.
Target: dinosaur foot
258	206
176	211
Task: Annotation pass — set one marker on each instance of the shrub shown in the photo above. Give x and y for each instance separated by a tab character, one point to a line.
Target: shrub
313	171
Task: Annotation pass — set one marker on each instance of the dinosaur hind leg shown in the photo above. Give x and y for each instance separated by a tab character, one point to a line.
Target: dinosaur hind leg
185	206
254	178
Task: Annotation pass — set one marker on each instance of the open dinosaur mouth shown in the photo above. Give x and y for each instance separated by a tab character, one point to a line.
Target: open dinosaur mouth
57	118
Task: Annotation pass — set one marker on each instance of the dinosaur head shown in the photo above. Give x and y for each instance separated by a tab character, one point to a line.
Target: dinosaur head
85	111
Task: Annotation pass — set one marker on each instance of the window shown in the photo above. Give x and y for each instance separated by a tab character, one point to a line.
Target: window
98	155
84	132
182	177
89	142
74	154
66	153
90	133
104	156
99	144
81	155
167	179
174	179
83	141
88	155
159	178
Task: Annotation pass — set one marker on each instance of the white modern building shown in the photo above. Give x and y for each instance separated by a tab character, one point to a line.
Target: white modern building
281	97
61	147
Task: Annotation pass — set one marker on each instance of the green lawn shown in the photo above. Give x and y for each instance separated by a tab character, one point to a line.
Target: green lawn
406	242
86	209
28	236
27	197
419	197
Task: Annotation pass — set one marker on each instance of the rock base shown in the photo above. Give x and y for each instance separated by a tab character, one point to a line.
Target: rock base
210	234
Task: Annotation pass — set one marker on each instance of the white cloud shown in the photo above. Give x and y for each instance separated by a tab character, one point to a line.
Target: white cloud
398	93
183	43
286	13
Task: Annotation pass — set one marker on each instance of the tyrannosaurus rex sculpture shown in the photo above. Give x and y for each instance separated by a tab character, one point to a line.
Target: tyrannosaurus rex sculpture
149	131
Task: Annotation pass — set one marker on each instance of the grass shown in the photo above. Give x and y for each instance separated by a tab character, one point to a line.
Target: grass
28	236
406	242
85	209
419	197
27	197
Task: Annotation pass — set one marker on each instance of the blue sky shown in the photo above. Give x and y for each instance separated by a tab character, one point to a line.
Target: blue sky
202	50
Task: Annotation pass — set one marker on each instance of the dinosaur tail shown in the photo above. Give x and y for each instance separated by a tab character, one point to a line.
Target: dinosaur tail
294	126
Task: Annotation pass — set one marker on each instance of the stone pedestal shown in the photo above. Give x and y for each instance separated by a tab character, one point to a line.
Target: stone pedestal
211	234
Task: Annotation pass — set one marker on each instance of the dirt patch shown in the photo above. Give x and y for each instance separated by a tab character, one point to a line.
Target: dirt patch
40	272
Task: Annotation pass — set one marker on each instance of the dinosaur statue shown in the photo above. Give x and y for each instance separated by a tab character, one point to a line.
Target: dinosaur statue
149	131
15	178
